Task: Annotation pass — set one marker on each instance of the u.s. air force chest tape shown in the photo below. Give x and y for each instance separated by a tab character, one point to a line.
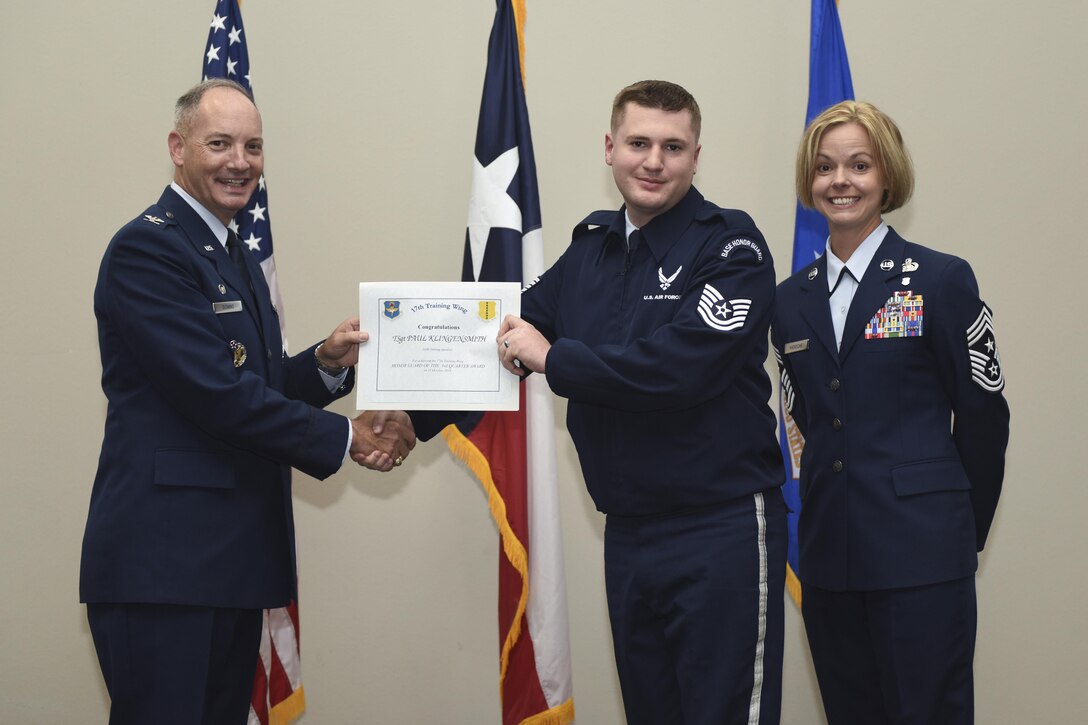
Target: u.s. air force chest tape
221	308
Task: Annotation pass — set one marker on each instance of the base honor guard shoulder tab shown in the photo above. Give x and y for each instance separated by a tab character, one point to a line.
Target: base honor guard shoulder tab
596	219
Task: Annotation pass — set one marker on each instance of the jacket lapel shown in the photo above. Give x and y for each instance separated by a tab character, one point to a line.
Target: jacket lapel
873	291
815	309
205	244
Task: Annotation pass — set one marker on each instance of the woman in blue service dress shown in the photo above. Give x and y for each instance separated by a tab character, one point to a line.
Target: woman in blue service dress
891	374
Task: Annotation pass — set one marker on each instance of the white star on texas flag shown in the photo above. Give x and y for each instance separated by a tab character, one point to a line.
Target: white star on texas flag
489	205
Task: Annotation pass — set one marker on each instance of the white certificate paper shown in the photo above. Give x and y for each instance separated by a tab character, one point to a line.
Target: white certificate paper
432	346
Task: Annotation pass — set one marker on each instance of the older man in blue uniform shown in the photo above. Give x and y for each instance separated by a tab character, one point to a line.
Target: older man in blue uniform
653	324
190	531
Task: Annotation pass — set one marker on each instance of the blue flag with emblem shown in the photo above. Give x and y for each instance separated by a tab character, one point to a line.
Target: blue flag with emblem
828	83
226	56
278	696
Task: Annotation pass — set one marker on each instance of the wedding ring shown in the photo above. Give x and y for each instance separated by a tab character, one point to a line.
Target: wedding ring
399	461
506	343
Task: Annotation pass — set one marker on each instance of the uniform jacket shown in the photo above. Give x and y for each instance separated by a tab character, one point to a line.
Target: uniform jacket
661	355
205	417
904	436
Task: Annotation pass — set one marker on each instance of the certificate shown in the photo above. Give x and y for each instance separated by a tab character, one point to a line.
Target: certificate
433	346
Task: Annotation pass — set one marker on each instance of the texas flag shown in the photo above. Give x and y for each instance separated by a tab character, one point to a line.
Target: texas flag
513	453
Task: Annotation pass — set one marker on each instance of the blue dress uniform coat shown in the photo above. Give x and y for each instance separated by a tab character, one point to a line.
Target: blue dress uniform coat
905	436
206	415
661	355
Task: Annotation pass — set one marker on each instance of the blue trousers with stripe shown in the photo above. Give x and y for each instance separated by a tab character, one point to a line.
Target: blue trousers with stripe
695	601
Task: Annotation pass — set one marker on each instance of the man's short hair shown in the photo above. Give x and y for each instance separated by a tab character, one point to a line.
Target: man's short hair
888	149
186	107
662	95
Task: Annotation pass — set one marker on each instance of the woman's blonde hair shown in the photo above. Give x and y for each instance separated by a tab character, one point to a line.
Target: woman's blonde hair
888	148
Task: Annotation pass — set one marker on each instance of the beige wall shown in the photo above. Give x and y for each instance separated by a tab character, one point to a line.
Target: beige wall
370	111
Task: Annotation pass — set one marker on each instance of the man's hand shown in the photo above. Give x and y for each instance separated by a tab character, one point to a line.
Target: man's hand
521	346
341	348
382	439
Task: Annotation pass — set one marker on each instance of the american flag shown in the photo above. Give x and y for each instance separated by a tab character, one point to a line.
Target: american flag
278	697
513	453
226	56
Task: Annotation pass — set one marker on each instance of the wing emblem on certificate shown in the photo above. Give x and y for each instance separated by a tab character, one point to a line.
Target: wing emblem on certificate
432	346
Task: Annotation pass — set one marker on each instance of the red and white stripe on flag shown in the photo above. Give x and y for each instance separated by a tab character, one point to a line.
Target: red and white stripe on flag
278	698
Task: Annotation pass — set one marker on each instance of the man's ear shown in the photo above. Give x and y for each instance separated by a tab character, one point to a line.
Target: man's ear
176	144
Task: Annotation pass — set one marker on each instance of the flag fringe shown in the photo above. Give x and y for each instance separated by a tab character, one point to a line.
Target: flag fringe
470	455
288	710
562	714
519	24
793	586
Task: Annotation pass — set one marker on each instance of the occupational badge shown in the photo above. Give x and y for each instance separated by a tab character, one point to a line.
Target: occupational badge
488	310
982	348
901	316
391	309
909	265
239	351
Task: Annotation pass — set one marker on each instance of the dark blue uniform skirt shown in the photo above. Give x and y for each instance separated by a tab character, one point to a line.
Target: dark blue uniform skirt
696	605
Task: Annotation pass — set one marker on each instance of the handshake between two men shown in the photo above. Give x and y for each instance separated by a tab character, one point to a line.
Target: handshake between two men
382	440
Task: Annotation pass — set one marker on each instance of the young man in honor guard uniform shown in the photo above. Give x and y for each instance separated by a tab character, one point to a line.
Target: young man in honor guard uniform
653	324
890	371
190	532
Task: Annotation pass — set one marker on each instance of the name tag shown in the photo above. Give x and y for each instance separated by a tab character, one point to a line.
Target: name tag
792	347
223	307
